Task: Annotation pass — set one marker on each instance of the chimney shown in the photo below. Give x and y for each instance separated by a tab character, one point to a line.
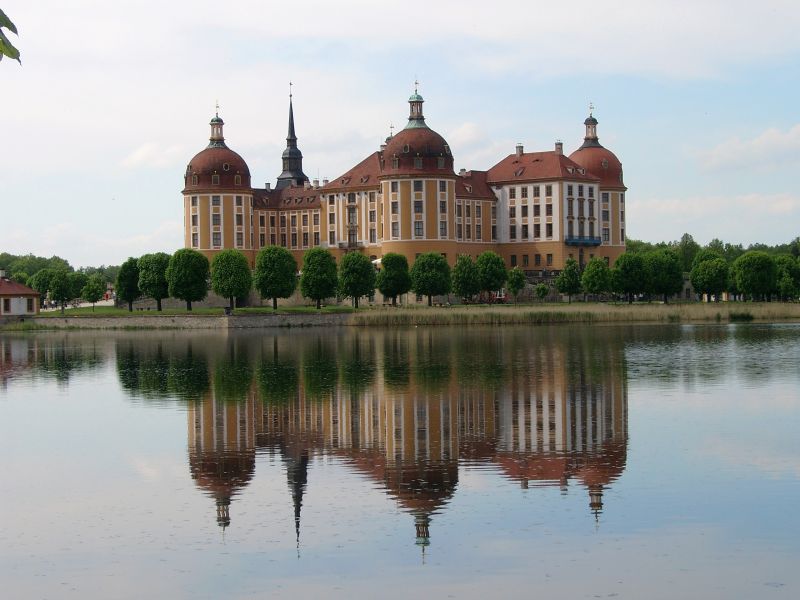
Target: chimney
2	274
324	182
559	147
267	186
462	173
316	183
307	185
383	147
519	149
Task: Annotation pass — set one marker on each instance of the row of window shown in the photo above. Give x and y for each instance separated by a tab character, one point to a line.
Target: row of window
537	231
537	260
237	179
548	211
548	191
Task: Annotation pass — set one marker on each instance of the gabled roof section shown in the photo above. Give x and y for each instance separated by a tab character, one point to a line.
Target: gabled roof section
295	197
537	166
363	176
12	288
472	185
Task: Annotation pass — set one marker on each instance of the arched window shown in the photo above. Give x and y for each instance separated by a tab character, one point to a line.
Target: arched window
237	180
215	179
194	179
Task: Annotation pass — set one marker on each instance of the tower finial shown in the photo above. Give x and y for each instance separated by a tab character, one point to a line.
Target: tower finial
416	84
216	112
591	108
391	129
290	90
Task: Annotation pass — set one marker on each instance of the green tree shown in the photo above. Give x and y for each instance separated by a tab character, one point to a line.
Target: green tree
60	289
710	277
756	274
788	275
356	276
40	281
276	274
629	276
77	281
430	275
465	281
569	280
664	273
93	290
20	277
6	47
706	254
542	290
491	271
230	275
516	282
687	248
187	276
318	279
128	282
596	278
153	276
393	279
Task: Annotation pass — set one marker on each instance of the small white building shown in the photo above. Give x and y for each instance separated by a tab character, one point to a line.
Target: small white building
16	299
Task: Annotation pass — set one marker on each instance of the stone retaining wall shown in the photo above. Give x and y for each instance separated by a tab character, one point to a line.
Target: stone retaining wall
193	321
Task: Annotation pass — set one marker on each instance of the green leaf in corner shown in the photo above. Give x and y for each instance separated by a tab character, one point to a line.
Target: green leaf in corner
7	48
6	22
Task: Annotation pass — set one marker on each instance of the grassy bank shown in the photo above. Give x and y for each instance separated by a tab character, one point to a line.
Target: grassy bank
578	313
111	311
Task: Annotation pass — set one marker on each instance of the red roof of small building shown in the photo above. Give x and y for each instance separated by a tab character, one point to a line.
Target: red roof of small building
12	288
538	166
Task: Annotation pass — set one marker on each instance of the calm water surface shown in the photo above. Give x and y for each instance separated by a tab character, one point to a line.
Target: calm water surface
563	462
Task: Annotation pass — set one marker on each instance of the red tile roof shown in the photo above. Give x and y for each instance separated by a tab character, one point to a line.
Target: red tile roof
473	184
12	288
537	166
364	175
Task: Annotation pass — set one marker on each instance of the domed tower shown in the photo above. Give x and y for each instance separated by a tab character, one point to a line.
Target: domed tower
603	163
418	189
292	158
217	198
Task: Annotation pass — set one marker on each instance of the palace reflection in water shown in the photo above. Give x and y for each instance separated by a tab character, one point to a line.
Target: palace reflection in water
406	409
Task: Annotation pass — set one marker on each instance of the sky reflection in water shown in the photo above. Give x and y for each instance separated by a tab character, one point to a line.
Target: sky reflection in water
638	461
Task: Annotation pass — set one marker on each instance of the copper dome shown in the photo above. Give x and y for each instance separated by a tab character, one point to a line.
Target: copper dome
417	151
218	160
600	162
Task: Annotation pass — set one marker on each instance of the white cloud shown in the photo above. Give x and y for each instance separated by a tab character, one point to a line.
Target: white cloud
152	154
745	218
771	149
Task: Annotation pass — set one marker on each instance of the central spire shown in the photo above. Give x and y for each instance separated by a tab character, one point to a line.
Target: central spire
415	117
292	158
590	140
217	139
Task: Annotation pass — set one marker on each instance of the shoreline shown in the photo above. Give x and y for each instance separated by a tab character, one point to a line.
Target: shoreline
450	316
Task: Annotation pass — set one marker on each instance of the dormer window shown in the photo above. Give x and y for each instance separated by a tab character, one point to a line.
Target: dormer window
395	163
604	163
417	162
194	179
225	167
237	180
364	179
570	170
406	149
215	179
468	188
440	162
519	172
447	149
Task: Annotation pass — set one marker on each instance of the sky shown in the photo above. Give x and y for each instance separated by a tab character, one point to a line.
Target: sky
698	99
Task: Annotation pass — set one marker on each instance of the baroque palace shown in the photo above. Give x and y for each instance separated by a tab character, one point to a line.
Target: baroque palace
535	209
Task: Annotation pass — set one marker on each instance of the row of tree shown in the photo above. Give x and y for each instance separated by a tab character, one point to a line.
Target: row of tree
186	275
63	286
660	272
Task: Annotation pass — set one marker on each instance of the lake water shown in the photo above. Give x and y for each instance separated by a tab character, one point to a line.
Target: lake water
558	462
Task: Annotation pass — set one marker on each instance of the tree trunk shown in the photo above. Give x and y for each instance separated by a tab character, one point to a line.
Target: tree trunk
158	304
63	305
355	301
666	300
189	305
394	300
232	301
630	298
430	301
92	306
274	304
130	306
319	304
